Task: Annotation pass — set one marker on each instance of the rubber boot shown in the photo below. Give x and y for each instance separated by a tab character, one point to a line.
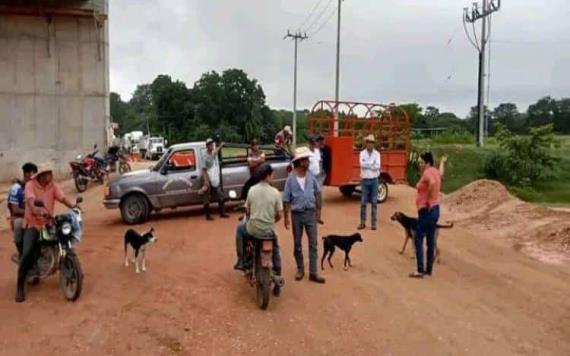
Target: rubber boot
20	294
316	278
207	212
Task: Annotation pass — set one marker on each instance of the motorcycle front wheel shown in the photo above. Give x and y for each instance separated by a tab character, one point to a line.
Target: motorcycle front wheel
263	287
80	182
70	277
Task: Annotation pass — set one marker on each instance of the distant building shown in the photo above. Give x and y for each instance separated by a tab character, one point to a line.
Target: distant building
54	81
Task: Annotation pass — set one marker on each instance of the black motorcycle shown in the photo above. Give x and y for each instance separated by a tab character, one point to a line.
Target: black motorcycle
57	252
258	260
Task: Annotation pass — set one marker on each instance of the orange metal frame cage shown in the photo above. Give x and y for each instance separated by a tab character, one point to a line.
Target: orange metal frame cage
389	124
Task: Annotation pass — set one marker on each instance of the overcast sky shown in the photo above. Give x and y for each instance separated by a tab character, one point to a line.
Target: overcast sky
392	50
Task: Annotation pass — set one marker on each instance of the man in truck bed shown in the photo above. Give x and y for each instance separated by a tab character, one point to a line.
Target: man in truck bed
211	178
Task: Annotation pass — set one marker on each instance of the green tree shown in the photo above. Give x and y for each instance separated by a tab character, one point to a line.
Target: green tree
507	114
171	101
562	116
541	113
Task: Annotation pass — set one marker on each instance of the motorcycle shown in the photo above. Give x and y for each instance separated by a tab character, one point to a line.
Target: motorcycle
57	253
86	169
114	156
258	261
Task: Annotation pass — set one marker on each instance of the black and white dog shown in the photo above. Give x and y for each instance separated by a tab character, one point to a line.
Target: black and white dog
139	244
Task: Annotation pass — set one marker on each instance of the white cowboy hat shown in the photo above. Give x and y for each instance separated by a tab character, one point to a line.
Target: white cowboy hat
45	167
301	153
370	138
287	129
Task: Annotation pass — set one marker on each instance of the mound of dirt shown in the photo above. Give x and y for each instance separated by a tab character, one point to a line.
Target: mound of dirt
487	206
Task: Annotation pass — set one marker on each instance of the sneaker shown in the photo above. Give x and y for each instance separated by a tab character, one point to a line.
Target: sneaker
361	227
317	279
374	228
300	275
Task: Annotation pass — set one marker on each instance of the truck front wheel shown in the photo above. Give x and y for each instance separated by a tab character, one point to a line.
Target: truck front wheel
135	209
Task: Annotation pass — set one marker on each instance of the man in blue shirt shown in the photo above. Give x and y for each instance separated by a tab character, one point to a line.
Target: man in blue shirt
17	203
302	197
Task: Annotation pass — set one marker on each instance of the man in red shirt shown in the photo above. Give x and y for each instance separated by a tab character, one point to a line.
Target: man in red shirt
40	187
427	203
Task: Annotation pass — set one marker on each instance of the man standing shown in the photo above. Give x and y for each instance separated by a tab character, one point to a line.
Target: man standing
211	179
302	198
316	167
41	187
264	208
369	174
17	204
284	140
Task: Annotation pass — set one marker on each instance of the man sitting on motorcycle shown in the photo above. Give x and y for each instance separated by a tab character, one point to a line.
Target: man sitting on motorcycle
40	187
264	207
17	204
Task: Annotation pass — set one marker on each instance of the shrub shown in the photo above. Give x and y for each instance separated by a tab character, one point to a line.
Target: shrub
524	160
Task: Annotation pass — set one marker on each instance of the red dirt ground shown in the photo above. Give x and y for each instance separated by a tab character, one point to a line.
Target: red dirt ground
484	298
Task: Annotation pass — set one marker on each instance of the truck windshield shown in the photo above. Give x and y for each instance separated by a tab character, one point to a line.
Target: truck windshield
156	140
161	161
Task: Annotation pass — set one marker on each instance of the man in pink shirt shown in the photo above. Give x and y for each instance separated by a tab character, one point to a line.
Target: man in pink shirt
427	203
40	187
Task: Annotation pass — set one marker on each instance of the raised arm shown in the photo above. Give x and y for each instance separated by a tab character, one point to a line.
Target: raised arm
442	163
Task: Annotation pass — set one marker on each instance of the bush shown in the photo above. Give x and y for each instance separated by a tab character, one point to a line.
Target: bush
525	160
457	137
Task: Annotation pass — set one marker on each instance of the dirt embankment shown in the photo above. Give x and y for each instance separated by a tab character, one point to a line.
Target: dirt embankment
486	206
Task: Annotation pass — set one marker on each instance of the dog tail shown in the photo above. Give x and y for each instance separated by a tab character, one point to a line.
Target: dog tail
445	226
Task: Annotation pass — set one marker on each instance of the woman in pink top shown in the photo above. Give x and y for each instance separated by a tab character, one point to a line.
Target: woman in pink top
427	202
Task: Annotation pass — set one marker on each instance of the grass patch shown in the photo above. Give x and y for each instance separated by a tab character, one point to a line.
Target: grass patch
466	164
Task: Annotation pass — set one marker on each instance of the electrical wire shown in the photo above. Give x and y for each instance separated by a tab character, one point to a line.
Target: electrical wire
317	4
327	20
318	18
476	46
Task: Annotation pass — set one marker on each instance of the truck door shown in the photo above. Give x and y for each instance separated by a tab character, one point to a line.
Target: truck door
179	181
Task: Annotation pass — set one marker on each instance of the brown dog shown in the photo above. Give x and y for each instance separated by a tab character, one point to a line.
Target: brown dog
410	225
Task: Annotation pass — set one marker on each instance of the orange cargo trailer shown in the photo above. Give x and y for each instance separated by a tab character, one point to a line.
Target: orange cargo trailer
344	137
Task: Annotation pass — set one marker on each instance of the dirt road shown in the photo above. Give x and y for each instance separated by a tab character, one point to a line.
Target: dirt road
485	298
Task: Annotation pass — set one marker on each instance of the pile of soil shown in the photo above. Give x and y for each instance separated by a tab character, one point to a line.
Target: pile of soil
487	206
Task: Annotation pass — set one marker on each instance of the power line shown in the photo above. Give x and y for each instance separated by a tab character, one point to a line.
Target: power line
319	17
310	15
327	20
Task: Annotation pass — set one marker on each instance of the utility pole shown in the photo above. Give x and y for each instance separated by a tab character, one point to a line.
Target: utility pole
337	86
296	37
471	16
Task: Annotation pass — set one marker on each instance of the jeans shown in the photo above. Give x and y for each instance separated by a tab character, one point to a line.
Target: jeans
369	189
18	234
242	235
305	220
30	252
427	225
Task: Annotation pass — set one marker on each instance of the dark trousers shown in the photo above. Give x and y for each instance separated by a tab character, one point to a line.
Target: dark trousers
427	225
242	236
305	220
30	252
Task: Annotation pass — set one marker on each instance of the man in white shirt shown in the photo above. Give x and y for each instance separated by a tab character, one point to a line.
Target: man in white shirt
316	167
369	174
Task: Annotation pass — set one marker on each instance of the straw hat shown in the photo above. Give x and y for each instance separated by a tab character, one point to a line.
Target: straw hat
43	168
288	129
301	153
370	138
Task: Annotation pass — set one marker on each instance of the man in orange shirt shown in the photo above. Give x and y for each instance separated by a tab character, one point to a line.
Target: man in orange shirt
427	203
40	187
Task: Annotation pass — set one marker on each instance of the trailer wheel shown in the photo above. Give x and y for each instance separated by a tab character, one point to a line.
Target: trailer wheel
382	191
347	190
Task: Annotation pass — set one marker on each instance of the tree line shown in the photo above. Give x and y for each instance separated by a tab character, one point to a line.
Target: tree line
228	104
233	105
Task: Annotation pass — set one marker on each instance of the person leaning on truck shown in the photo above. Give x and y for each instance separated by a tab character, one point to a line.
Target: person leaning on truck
284	140
369	174
211	178
316	167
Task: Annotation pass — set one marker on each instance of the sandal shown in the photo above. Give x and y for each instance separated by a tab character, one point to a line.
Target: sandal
416	275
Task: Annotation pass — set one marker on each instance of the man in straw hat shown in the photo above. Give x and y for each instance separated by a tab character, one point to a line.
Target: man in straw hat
40	187
284	140
369	174
302	197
